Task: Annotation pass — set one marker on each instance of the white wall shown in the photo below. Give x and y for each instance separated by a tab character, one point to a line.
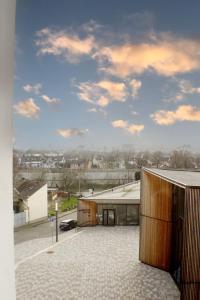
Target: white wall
38	204
7	28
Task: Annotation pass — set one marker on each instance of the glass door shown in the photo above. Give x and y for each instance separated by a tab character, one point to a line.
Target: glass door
109	217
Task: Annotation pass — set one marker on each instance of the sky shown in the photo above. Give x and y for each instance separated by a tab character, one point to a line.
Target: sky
106	74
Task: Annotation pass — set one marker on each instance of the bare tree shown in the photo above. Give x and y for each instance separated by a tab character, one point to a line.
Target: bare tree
181	160
157	158
141	159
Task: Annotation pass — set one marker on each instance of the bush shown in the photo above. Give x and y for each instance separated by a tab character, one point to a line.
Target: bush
137	175
51	213
68	204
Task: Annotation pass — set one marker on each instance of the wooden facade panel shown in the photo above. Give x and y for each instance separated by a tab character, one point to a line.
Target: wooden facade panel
156	199
190	271
87	213
155	242
190	291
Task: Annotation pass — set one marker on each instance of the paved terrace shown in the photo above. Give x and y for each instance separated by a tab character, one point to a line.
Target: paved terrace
93	263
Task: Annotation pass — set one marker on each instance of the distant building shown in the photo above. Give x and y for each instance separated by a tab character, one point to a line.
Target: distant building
31	200
117	206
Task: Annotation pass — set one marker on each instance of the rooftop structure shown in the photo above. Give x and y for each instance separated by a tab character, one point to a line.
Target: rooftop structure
128	193
181	177
170	226
116	206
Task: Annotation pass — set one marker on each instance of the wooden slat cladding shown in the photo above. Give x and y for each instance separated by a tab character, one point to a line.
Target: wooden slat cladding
190	291
156	200
170	231
156	221
155	242
87	211
190	271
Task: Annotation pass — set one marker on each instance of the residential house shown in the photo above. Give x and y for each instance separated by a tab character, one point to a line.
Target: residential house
31	200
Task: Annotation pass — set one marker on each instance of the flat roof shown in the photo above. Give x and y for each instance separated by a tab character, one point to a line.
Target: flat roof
183	178
127	194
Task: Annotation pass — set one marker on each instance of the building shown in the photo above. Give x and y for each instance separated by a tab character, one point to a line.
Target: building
170	226
117	206
31	201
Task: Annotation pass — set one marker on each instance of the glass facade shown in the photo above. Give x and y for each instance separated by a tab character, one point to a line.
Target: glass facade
125	214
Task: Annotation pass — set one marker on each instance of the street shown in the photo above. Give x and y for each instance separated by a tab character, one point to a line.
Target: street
40	230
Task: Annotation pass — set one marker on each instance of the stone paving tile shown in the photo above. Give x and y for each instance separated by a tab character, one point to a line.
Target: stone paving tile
99	263
31	247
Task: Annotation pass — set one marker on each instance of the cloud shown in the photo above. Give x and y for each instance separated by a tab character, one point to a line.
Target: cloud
185	88
123	55
120	124
93	109
135	128
103	92
136	86
134	113
116	90
97	110
50	100
182	113
27	108
131	128
103	101
61	43
92	26
165	54
69	132
33	88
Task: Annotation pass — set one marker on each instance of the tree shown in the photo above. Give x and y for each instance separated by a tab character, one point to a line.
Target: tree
137	175
181	159
141	159
157	158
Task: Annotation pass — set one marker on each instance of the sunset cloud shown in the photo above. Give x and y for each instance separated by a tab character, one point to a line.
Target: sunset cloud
184	88
120	124
182	113
27	108
131	128
50	100
166	55
103	92
135	128
116	90
69	132
35	89
61	43
135	86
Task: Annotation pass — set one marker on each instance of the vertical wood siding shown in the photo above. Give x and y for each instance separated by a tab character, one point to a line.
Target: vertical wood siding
190	271
155	221
87	211
155	242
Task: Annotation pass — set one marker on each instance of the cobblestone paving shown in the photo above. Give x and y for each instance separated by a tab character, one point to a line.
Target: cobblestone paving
98	263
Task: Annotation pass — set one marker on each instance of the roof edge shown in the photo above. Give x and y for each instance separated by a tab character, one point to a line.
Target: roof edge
108	190
180	184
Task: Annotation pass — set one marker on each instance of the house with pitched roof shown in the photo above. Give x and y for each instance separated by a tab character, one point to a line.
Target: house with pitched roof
30	201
